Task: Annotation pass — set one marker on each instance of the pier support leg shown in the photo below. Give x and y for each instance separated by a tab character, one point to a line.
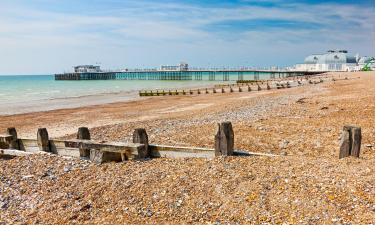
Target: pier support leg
43	140
140	136
224	140
350	142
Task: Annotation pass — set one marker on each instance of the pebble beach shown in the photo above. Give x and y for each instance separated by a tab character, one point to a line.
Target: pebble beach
305	183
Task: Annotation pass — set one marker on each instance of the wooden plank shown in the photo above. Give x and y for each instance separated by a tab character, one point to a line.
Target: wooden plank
100	144
6	138
11	152
180	152
28	145
158	151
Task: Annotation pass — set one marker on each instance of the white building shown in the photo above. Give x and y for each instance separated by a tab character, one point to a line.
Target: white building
181	67
87	69
331	61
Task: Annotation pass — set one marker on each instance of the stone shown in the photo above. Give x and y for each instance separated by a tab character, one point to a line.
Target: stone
283	144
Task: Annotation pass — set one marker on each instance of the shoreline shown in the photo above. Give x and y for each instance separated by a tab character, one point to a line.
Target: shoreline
45	105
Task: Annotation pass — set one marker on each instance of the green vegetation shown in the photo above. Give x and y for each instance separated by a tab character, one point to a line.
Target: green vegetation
367	66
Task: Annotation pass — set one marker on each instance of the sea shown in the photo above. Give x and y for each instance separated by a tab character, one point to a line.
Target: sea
30	93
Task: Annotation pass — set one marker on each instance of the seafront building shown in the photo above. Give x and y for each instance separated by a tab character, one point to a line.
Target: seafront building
333	60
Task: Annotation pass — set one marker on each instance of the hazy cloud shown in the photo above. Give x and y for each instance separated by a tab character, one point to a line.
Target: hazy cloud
40	36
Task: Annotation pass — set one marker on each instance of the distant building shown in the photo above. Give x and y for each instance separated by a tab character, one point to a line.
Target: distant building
338	60
181	67
87	69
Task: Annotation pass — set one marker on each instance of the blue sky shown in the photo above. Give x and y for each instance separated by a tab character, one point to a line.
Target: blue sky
51	36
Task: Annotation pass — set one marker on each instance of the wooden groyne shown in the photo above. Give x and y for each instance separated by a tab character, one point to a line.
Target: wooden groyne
209	75
230	88
102	151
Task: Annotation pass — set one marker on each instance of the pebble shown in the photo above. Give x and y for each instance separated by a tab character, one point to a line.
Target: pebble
283	144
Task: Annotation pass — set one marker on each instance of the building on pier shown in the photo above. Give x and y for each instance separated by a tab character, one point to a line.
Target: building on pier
181	67
87	69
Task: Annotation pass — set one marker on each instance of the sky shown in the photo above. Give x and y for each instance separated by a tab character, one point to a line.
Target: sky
51	36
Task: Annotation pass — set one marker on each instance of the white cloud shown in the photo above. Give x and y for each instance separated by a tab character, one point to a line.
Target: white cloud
146	33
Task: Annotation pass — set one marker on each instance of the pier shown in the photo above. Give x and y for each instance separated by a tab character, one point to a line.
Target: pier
201	74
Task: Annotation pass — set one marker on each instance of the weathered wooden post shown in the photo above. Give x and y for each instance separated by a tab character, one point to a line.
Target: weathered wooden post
199	91
239	89
140	137
207	91
350	141
214	90
222	90
14	142
231	89
249	88
83	134
43	140
259	88
268	87
224	140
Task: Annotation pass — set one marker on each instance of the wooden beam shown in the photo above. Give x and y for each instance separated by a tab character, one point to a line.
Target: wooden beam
11	152
158	151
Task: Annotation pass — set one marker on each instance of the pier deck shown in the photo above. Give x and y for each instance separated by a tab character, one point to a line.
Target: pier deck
210	75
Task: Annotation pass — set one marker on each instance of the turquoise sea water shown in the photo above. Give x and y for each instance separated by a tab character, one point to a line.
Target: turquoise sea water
44	87
30	93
